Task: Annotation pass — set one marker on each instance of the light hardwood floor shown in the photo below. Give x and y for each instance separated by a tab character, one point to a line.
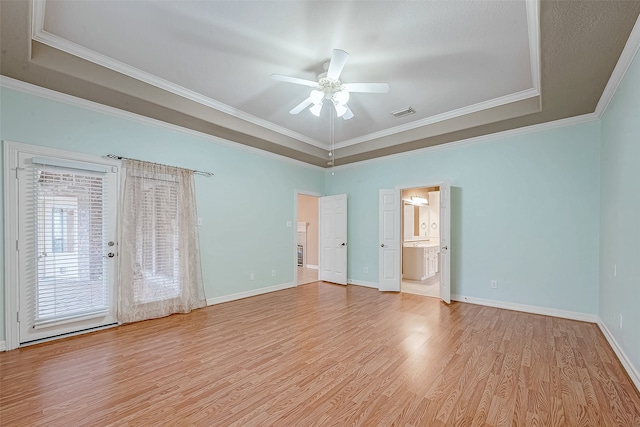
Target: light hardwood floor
323	354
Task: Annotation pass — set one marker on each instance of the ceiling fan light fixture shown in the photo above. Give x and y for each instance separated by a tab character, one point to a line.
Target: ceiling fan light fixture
316	96
420	201
330	87
340	109
417	201
315	110
341	97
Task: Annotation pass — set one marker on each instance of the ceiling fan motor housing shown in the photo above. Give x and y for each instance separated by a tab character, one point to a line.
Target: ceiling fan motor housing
330	86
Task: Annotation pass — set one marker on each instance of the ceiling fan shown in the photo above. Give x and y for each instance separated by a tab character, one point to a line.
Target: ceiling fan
331	88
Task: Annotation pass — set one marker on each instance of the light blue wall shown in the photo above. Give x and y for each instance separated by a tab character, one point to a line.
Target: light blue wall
525	209
244	208
525	212
620	215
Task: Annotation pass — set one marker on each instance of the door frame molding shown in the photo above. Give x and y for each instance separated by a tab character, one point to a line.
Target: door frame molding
296	193
407	187
11	221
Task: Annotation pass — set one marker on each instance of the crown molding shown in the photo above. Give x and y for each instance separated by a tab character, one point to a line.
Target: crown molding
18	85
485	105
533	27
571	121
624	62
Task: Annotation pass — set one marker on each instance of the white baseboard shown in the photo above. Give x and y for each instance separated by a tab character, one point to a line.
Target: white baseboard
251	293
626	363
3	346
311	266
363	283
565	314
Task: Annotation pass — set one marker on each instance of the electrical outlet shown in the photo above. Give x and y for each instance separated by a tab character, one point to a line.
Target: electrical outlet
494	284
273	273
252	276
620	321
366	269
288	223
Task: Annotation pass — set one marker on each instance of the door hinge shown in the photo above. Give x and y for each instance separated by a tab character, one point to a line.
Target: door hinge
17	245
18	316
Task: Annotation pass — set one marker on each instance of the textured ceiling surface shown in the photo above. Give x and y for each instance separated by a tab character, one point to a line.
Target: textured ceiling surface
469	68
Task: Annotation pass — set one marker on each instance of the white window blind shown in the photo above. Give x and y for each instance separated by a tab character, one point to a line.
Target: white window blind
70	220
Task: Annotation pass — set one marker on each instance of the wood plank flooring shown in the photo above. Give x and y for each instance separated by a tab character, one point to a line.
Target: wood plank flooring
324	355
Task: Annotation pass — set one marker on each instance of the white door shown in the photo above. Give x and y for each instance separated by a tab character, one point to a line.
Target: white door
332	225
66	245
390	243
445	242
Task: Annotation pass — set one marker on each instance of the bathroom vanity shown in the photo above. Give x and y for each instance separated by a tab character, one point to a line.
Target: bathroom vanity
420	260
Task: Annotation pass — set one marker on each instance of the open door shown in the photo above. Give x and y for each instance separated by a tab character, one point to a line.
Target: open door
332	226
445	242
389	277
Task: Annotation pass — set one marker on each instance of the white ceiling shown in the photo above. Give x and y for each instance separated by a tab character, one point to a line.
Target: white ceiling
446	59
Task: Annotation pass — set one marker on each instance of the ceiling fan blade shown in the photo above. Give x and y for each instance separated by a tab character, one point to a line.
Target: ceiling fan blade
338	60
304	104
348	114
368	87
294	80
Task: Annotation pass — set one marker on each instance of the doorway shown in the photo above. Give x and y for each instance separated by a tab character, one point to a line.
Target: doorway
420	255
307	239
61	211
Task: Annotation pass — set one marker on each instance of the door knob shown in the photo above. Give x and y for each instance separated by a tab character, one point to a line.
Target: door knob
382	245
445	247
111	254
344	244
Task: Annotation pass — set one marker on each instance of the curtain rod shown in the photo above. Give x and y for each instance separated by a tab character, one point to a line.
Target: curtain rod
196	172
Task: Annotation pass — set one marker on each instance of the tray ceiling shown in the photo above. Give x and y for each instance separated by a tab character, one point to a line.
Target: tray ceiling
465	67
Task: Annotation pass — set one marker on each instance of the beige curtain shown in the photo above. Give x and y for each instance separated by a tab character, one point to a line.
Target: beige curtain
160	271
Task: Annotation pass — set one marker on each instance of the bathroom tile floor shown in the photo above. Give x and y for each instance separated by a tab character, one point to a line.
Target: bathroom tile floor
429	287
307	275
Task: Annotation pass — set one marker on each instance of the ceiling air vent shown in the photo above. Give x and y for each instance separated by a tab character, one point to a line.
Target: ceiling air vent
404	112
